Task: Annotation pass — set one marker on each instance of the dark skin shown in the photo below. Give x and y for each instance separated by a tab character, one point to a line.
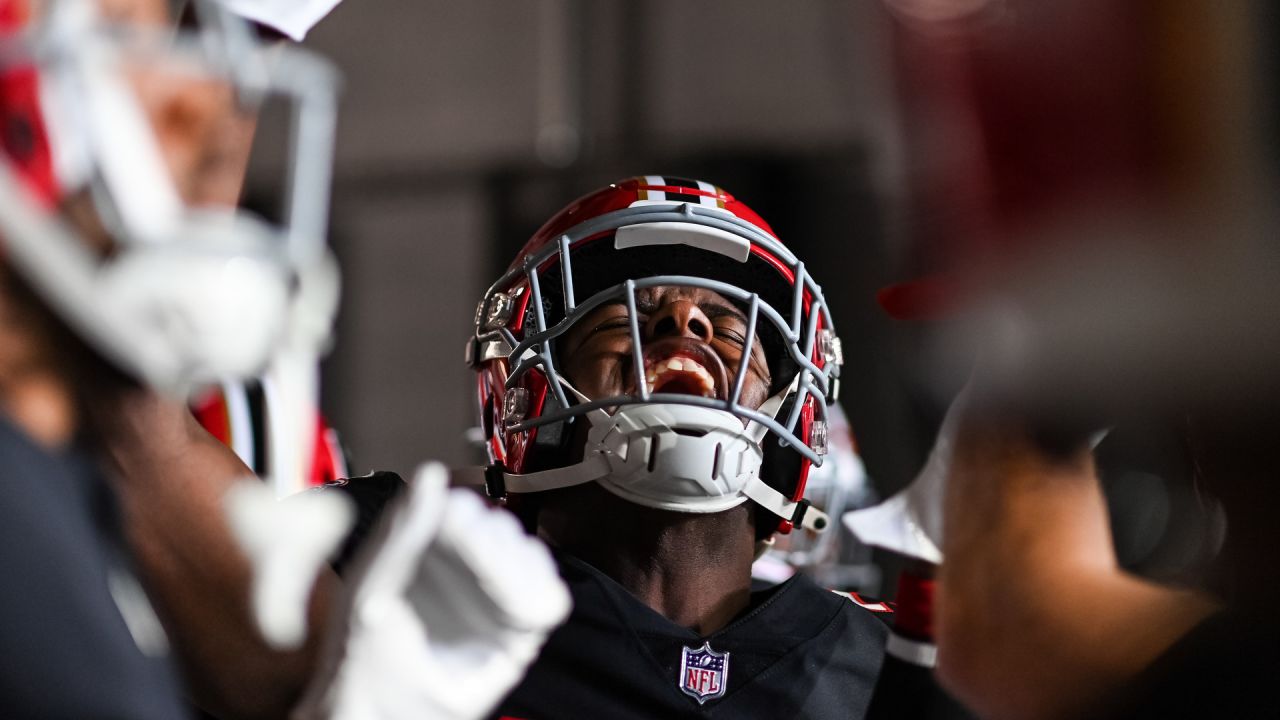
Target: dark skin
646	550
171	476
1021	633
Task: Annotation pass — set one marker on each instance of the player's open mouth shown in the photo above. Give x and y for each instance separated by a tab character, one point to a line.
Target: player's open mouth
679	375
686	367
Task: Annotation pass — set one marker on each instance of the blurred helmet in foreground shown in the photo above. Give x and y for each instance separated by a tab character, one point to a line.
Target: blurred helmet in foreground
125	144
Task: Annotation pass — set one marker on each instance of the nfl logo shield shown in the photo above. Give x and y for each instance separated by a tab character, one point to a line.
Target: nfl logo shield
704	672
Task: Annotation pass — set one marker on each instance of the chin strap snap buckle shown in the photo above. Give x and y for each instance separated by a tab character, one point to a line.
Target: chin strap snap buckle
495	484
797	517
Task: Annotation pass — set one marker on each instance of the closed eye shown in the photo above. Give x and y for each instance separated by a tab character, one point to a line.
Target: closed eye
612	324
732	335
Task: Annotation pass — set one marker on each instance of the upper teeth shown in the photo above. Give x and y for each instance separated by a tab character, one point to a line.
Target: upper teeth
680	364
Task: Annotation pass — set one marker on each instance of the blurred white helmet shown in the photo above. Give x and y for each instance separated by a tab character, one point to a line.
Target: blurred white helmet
166	279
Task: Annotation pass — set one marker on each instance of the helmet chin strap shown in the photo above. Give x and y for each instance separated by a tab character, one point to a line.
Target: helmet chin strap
676	457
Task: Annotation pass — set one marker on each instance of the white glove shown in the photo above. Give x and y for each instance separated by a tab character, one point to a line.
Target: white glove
453	605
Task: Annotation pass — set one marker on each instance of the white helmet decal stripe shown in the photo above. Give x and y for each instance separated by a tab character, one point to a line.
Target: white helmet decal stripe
672	233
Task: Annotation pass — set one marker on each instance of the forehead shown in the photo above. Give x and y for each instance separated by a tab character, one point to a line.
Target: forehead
141	12
667	294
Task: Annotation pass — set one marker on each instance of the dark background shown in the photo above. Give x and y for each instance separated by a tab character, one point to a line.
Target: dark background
465	125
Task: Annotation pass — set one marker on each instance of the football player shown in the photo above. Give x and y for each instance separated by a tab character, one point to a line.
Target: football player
120	138
654	372
127	270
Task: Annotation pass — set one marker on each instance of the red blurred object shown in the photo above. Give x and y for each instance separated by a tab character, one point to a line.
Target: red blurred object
1027	115
245	432
22	132
933	297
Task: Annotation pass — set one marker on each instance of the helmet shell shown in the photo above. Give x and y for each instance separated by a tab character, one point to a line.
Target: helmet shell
767	269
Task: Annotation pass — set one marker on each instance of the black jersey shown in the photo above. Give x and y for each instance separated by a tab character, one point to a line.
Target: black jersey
799	652
66	650
908	686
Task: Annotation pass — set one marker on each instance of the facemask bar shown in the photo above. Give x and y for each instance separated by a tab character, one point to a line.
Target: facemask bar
536	349
223	47
311	154
310	84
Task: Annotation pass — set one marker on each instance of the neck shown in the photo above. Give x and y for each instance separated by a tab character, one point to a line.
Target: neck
35	392
41	405
694	569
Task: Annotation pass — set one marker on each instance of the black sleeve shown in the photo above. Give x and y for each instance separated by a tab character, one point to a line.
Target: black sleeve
65	648
372	495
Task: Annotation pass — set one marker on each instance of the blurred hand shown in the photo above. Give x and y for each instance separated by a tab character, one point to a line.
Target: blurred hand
287	544
453	603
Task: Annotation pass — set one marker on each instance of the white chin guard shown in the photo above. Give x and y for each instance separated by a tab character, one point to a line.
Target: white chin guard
676	457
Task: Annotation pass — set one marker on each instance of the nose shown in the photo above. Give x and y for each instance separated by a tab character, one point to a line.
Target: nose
679	318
